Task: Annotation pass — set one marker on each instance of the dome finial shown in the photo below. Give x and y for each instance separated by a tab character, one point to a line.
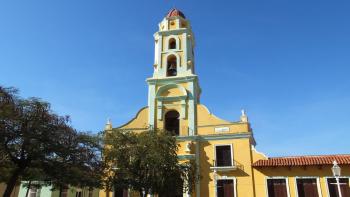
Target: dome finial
108	124
244	117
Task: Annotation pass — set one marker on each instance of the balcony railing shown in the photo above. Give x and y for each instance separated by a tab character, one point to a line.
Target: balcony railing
234	166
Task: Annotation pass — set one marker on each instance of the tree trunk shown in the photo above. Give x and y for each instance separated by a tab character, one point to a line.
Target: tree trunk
107	193
60	192
11	184
28	188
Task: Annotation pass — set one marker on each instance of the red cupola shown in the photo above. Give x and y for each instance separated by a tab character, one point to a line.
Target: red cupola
175	12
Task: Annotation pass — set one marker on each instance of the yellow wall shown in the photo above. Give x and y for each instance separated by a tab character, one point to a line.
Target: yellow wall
250	181
291	173
172	24
172	92
243	174
139	122
320	172
207	122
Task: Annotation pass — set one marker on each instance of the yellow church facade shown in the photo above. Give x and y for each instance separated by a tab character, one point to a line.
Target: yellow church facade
224	151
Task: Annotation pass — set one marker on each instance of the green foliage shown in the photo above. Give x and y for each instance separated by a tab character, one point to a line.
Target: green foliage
78	164
39	145
146	162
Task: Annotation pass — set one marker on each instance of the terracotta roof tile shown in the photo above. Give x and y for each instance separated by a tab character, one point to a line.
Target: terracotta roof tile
302	160
175	12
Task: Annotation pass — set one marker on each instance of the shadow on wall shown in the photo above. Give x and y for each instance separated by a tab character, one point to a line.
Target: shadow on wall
205	170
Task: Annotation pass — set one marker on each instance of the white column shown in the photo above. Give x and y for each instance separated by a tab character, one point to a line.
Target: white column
151	105
215	183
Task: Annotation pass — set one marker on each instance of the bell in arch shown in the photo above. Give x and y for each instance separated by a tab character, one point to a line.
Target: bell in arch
172	70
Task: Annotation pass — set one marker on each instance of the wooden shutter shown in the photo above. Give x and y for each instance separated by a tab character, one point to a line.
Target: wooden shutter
225	188
307	187
223	156
333	188
277	188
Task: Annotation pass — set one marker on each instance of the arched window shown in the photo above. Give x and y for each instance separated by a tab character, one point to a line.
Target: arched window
171	66
172	43
172	122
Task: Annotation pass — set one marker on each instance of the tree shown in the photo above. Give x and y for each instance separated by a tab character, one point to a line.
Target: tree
147	162
33	138
78	165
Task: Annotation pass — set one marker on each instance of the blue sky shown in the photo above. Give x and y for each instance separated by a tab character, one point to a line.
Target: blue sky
286	62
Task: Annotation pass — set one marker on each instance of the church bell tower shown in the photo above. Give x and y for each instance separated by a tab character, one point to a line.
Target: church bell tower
174	89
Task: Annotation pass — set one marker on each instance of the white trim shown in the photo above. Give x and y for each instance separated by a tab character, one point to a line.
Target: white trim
159	51
234	179
331	177
276	177
221	129
185	54
258	152
308	177
231	147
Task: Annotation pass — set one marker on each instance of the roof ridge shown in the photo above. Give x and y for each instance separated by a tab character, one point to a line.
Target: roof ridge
302	156
305	160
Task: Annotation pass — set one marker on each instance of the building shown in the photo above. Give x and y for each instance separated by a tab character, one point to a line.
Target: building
48	191
224	151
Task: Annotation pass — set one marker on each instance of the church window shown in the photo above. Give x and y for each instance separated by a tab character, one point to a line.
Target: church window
172	122
171	66
223	155
172	43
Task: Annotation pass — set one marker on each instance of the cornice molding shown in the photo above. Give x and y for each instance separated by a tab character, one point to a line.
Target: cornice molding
169	80
215	137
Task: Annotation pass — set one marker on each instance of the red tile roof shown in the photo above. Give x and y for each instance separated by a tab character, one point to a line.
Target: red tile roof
302	160
175	12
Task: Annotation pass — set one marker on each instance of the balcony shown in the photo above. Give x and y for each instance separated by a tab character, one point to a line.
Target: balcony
231	166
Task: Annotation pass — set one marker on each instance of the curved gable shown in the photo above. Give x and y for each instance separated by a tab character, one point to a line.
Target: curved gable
139	122
208	123
205	117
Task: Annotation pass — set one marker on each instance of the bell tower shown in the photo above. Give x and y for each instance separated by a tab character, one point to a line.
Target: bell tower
174	89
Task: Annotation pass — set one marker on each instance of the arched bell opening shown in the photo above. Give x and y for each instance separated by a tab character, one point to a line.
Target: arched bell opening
172	122
172	43
171	66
